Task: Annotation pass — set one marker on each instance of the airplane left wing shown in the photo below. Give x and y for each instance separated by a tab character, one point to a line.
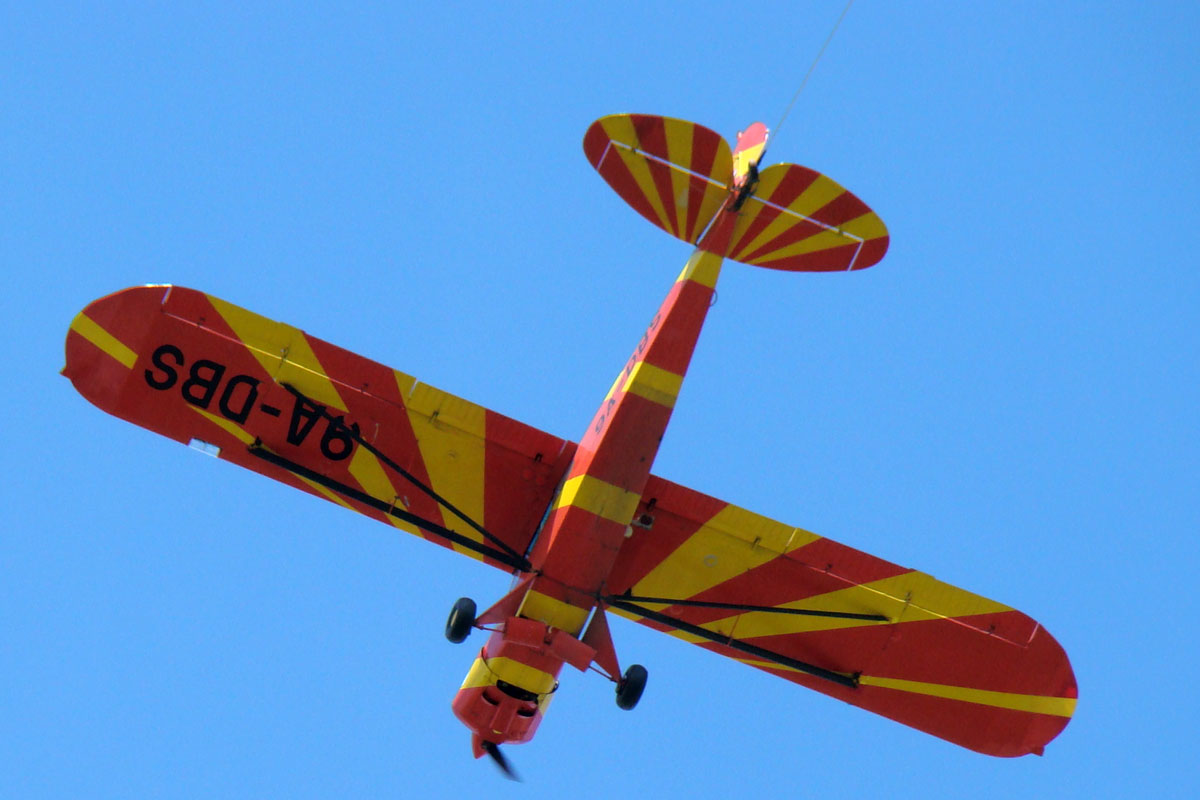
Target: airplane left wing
270	398
815	612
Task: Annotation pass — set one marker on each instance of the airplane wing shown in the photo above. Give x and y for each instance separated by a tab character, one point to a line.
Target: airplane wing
879	636
270	398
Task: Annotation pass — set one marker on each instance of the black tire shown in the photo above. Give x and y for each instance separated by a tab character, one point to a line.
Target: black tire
462	619
631	686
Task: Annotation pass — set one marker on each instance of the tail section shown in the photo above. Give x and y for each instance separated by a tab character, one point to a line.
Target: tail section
674	173
751	147
799	220
682	176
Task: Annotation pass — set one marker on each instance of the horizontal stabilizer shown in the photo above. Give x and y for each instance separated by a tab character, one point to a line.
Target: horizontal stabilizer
674	173
800	220
683	177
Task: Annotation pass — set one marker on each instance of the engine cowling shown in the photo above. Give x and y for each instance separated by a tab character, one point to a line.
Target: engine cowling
508	688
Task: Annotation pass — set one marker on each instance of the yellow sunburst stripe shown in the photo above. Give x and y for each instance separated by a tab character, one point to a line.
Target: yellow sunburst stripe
600	498
553	612
89	329
486	673
366	469
904	598
917	596
819	194
768	181
733	541
283	351
702	267
451	437
639	167
267	340
620	130
654	384
1032	703
678	134
866	227
301	369
850	233
228	425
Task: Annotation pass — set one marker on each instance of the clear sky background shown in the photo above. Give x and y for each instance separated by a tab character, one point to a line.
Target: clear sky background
1008	401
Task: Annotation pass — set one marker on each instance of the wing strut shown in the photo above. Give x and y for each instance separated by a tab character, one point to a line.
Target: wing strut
849	680
408	476
804	612
259	451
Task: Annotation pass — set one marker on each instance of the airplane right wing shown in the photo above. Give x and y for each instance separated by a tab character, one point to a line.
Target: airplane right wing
879	636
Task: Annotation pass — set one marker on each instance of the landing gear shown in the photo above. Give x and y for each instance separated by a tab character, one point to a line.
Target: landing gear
631	686
462	619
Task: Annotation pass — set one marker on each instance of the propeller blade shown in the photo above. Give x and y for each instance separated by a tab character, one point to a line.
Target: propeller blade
493	750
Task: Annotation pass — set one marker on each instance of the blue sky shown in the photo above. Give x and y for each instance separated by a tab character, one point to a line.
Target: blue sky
1008	401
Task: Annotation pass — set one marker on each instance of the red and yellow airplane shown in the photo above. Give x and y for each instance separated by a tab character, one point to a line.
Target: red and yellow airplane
586	529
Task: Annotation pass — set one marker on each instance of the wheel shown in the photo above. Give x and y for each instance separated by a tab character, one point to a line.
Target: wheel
462	619
631	686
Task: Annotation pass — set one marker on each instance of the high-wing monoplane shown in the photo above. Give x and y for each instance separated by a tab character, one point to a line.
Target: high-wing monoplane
584	528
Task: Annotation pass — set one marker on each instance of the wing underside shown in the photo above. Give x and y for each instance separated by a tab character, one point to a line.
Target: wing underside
888	639
270	398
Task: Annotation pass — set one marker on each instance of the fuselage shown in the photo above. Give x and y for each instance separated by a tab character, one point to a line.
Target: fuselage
546	623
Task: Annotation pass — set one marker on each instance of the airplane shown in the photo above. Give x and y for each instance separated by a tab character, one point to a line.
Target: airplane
585	529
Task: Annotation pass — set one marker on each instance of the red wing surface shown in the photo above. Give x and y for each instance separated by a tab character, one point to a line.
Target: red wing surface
826	616
270	398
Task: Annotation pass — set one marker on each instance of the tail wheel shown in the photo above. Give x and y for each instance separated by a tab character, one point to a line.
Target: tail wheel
631	686
462	619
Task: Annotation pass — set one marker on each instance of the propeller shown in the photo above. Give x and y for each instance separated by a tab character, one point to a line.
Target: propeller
493	750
